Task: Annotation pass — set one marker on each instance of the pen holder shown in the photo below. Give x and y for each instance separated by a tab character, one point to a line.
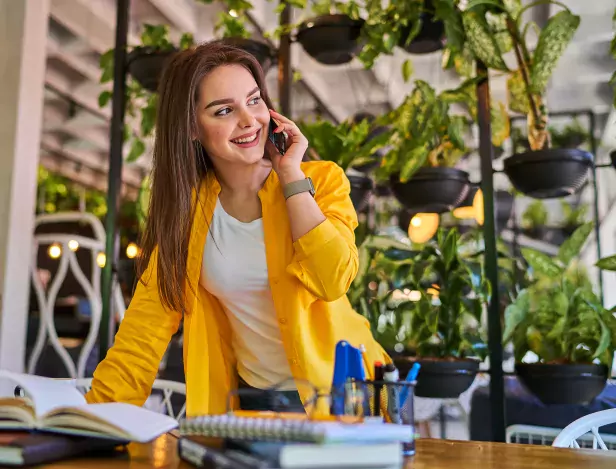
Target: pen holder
395	402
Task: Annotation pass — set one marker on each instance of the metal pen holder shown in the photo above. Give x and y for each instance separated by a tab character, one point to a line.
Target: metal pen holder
360	396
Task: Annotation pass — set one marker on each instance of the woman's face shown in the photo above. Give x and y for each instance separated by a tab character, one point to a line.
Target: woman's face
232	118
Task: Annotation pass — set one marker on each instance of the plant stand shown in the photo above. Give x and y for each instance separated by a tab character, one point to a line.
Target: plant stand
432	190
550	173
331	39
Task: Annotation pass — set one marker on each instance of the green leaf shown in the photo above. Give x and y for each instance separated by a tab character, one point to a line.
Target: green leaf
541	263
450	248
500	123
106	65
187	40
515	314
516	89
104	98
407	70
571	248
415	159
607	263
473	4
136	150
552	43
482	42
605	341
148	115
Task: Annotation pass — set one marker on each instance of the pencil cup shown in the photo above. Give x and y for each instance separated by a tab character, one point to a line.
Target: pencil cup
408	414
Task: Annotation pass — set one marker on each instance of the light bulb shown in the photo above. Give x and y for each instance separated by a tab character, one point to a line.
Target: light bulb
423	227
101	259
132	250
233	13
73	245
54	251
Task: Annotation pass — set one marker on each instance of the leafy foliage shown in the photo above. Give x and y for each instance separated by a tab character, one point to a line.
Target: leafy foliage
347	144
559	317
535	216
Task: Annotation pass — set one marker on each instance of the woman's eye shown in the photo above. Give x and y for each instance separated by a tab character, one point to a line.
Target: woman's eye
223	112
255	100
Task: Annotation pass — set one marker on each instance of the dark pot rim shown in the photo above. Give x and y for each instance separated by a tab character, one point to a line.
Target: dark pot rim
435	174
334	20
249	43
550	154
360	182
140	52
562	370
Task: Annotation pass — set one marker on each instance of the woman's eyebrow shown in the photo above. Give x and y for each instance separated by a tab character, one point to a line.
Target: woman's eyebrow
228	100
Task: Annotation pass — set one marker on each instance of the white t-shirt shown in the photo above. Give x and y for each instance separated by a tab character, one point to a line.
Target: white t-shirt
234	270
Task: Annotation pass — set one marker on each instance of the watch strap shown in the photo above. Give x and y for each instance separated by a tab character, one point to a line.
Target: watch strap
297	187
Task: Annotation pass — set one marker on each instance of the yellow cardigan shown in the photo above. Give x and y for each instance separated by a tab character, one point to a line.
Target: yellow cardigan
309	279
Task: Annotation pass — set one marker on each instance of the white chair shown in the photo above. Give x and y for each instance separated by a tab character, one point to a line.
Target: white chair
583	426
167	387
46	298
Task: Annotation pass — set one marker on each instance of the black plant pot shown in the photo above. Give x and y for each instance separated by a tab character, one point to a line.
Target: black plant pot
442	379
432	190
545	174
563	384
361	188
431	36
331	39
146	65
265	55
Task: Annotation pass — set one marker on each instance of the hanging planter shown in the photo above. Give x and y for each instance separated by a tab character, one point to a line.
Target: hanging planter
563	383
331	39
431	36
361	188
549	173
432	190
146	65
265	55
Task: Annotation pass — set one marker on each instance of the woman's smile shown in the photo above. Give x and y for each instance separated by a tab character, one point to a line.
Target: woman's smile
247	140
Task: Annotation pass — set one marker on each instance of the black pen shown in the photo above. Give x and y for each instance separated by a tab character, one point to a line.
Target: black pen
209	458
378	376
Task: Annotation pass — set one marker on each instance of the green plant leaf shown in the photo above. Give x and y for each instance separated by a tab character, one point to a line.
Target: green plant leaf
552	43
136	150
482	42
571	248
500	123
515	314
415	159
605	341
407	70
187	40
473	4
516	89
607	263
104	98
541	263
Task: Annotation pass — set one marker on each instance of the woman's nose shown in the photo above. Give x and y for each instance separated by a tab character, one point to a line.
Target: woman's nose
246	119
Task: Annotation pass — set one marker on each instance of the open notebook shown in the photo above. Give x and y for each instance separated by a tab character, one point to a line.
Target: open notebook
57	406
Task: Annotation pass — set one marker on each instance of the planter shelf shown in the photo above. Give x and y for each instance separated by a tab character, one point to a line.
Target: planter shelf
331	39
563	384
550	173
432	190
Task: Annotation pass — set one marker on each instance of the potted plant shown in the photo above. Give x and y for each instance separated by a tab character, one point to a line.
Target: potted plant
444	321
348	144
426	142
542	172
534	220
563	323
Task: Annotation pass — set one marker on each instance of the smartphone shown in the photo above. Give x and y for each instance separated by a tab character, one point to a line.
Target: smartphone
278	139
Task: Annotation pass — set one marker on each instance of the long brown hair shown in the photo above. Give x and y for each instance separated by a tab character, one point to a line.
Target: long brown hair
180	163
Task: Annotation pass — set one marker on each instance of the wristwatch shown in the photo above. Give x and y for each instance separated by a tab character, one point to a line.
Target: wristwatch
297	187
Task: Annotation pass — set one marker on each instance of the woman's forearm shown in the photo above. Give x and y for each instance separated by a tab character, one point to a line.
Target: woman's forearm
304	212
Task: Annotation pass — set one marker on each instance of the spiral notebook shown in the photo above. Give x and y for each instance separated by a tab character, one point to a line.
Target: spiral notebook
290	430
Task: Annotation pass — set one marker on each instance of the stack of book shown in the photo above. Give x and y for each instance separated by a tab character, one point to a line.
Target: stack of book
254	442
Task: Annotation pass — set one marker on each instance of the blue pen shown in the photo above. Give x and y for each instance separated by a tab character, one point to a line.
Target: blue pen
410	377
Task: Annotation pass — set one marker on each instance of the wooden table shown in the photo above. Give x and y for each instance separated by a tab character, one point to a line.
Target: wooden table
431	454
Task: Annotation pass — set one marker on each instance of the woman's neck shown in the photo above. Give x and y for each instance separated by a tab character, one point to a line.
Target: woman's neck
242	180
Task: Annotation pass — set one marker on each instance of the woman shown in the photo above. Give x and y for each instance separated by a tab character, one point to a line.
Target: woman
238	243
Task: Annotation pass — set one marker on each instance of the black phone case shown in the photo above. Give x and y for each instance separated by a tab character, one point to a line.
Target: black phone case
278	139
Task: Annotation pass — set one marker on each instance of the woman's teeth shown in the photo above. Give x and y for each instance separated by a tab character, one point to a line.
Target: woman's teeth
245	140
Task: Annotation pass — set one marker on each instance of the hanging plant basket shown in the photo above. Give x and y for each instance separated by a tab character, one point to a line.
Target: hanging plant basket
331	39
265	55
440	378
432	190
146	65
550	173
563	384
361	188
431	36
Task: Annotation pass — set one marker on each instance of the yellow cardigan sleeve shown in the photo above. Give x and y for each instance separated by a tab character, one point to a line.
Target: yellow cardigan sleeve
325	259
131	364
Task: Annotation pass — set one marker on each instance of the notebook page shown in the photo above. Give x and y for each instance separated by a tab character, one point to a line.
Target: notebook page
142	425
45	393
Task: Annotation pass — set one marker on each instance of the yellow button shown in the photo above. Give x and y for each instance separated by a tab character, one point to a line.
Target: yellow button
282	321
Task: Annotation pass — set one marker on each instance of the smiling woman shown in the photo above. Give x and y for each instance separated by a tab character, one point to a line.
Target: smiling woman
254	249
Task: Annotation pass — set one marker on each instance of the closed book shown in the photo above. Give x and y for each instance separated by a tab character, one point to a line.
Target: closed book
311	456
25	449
